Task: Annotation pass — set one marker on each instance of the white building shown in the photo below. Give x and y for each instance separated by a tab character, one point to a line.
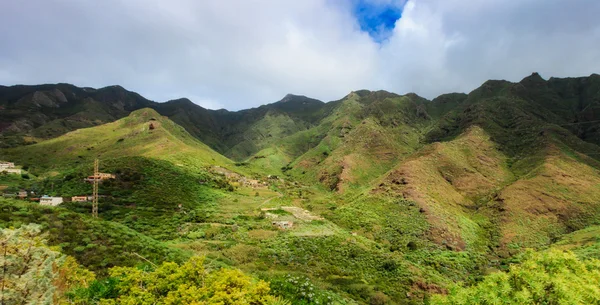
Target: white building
11	170
4	165
51	201
284	225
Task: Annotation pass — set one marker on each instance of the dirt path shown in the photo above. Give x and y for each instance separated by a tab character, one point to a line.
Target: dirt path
301	213
279	195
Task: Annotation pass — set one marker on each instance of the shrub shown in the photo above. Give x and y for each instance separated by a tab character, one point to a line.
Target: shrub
170	283
550	277
33	273
242	254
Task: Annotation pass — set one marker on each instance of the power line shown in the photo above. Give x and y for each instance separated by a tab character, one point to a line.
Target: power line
95	190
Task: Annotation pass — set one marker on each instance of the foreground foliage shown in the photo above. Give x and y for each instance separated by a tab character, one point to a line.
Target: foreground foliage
170	283
33	273
551	277
96	244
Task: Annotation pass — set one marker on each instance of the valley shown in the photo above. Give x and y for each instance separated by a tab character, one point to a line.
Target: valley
376	198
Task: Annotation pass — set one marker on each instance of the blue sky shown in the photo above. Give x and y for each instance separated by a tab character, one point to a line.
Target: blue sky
377	17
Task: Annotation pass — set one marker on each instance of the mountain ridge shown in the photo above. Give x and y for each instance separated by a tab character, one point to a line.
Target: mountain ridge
241	134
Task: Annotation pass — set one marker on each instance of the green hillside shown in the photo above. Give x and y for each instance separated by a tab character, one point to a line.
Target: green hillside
143	133
385	198
97	244
34	113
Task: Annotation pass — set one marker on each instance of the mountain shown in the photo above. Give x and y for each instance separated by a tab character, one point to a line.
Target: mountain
239	135
158	167
390	198
33	113
143	133
46	111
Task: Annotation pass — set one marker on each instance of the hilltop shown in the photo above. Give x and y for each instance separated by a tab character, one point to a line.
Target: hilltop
33	113
143	132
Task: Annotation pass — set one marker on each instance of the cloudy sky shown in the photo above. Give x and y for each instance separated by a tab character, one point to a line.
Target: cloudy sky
237	54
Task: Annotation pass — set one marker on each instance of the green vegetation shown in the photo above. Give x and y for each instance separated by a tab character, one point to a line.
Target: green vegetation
137	198
552	277
169	283
376	198
96	244
585	243
33	273
130	136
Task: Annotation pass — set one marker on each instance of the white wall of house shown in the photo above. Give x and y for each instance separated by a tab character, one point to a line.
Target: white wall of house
6	165
51	201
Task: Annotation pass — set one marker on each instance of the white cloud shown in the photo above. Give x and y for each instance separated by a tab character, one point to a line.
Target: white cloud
240	54
450	45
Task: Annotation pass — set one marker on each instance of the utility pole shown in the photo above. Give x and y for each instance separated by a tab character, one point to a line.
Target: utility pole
95	191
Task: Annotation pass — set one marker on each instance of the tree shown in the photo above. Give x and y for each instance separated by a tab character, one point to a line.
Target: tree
549	277
33	273
190	283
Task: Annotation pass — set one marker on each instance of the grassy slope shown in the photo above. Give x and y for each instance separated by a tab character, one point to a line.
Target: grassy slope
360	138
97	244
559	196
157	171
146	196
449	181
47	111
130	136
585	243
503	175
489	185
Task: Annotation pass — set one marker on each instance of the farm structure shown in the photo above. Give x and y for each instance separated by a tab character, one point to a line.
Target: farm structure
5	165
51	201
284	225
99	177
9	167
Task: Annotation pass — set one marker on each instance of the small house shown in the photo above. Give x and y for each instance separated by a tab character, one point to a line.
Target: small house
79	198
7	195
51	201
284	225
5	165
11	170
100	177
22	194
106	176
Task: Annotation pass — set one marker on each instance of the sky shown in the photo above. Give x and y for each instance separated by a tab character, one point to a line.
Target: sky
238	54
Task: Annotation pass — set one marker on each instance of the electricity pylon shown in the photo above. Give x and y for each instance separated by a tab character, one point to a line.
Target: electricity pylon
95	191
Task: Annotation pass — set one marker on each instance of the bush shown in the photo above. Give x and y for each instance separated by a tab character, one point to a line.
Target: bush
170	283
242	254
74	232
300	290
33	273
550	277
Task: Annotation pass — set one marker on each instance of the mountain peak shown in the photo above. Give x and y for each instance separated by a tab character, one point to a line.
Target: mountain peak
291	97
533	78
182	100
145	114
